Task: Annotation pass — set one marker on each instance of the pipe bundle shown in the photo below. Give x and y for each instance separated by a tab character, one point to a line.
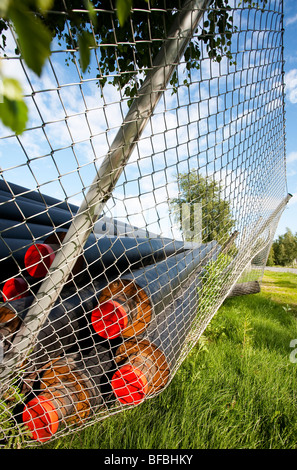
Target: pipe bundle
117	329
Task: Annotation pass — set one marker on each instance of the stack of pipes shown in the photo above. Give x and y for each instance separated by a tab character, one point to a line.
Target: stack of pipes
117	329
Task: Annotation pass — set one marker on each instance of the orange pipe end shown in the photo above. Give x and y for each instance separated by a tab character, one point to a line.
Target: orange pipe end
129	385
109	319
38	259
15	288
41	417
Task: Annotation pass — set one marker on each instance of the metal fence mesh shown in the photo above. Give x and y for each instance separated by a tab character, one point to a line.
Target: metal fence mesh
111	268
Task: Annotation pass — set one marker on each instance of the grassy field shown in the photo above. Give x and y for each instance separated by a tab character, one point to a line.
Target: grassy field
237	388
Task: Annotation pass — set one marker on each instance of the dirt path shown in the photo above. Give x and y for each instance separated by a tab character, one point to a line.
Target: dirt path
281	270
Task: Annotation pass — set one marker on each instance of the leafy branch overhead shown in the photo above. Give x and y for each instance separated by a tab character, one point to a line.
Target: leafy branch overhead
104	24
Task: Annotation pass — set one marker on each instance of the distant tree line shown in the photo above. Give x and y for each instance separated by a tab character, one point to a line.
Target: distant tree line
283	251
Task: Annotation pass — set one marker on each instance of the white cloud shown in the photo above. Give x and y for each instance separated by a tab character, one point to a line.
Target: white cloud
291	85
291	20
292	157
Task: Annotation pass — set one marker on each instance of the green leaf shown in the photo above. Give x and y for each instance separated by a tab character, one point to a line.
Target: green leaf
34	38
45	5
85	41
12	89
4	4
14	114
123	10
13	109
92	12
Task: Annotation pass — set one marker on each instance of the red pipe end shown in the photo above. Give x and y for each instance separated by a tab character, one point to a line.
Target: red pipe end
109	319
38	259
129	385
15	288
41	417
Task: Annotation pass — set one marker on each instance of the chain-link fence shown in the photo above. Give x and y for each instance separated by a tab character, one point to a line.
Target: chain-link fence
143	192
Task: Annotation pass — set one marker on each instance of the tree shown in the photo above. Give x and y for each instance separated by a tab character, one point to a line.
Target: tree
271	258
82	27
285	248
217	222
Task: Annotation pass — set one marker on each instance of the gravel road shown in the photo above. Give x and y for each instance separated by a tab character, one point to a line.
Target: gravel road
281	270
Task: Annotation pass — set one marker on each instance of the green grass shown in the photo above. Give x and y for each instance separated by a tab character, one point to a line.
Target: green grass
237	388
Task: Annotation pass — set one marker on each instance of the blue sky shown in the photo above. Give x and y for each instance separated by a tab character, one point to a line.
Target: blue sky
289	217
60	156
